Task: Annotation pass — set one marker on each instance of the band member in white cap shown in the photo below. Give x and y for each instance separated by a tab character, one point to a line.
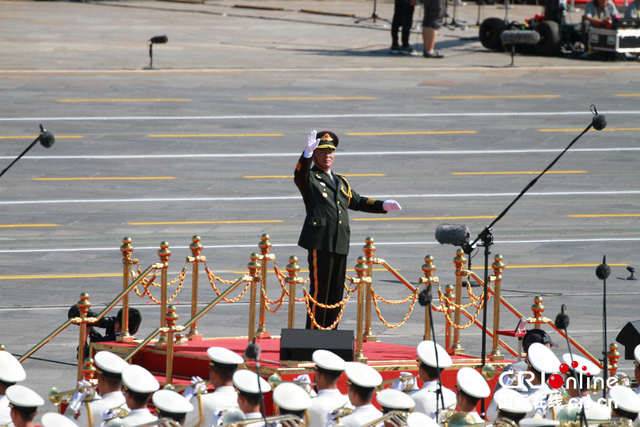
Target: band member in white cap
11	372
578	391
636	371
418	419
329	368
362	381
53	419
292	399
24	404
170	404
109	368
471	388
433	358
223	364
394	400
624	402
250	387
511	405
139	384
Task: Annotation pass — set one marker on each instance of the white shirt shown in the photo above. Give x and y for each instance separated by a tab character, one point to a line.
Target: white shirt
5	411
425	399
592	409
324	404
139	416
362	415
99	408
221	399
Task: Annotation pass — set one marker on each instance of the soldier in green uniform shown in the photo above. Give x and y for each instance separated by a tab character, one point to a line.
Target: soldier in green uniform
326	231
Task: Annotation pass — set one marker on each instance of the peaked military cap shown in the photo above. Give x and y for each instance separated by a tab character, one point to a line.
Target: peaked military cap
23	399
110	364
636	354
419	419
427	355
395	400
624	398
53	419
291	397
224	357
362	375
539	422
11	370
542	359
472	383
172	402
328	361
511	401
589	367
139	380
327	140
247	381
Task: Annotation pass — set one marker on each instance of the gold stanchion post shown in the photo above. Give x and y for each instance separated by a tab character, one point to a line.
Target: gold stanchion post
293	269
449	295
369	250
127	262
538	309
265	257
171	318
254	272
196	258
612	356
428	268
460	262
498	268
164	253
362	279
83	305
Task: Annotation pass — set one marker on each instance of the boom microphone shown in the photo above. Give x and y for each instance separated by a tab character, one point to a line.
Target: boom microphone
603	270
450	234
46	138
599	122
253	350
562	319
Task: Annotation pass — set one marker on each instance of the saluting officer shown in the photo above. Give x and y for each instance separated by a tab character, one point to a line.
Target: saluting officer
11	372
326	231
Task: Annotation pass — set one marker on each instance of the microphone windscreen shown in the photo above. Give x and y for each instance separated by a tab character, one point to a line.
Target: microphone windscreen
603	271
599	122
456	235
562	321
519	37
424	297
159	39
47	139
253	351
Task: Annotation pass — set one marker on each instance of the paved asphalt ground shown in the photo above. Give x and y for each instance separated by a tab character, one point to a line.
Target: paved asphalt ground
206	144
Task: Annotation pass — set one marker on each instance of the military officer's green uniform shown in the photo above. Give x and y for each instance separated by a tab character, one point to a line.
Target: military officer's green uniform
326	230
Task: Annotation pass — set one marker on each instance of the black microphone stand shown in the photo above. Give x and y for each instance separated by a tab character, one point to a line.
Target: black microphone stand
45	138
439	395
603	271
486	237
253	353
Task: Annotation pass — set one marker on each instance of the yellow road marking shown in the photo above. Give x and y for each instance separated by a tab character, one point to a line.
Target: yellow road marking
605	216
512	172
204	222
33	137
27	225
126	100
446	132
561	265
627	94
291	176
91	178
580	130
315	98
215	135
495	96
431	218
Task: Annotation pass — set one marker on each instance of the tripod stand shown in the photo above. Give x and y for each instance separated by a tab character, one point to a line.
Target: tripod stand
454	22
374	16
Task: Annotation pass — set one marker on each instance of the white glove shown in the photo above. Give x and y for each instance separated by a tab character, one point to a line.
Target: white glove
196	387
303	381
79	396
406	382
312	144
391	205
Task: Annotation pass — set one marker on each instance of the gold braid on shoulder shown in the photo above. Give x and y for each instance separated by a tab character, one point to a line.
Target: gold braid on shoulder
348	192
